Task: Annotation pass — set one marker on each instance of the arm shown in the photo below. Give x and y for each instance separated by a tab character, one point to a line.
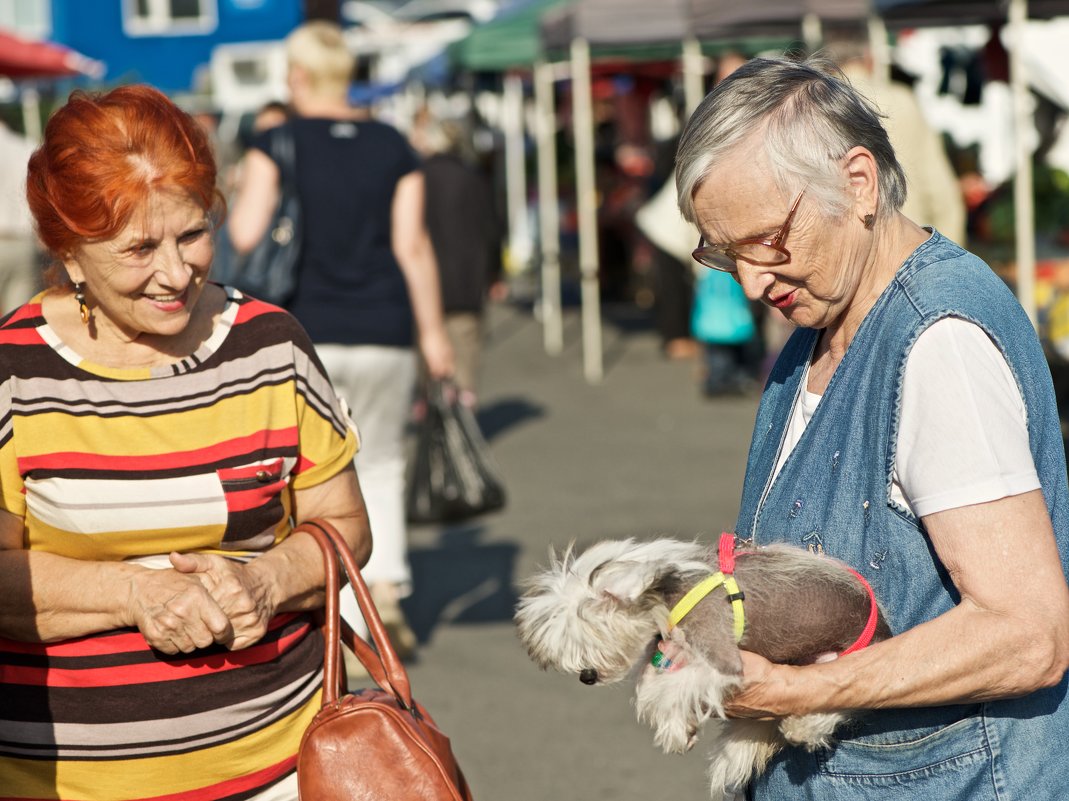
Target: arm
289	577
255	204
45	598
415	255
1008	636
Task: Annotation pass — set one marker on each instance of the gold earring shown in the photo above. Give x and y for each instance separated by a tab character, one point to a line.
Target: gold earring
869	220
83	307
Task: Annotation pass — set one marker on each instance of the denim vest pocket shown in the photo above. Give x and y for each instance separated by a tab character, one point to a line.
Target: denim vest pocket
951	755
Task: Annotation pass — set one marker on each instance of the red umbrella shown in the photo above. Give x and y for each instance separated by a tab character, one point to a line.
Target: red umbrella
24	58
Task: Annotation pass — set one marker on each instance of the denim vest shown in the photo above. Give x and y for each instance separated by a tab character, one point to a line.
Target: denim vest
833	496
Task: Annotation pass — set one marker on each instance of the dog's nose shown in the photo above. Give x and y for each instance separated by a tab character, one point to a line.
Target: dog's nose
588	676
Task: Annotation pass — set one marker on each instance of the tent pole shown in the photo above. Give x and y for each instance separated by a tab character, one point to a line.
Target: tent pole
548	213
1023	198
881	52
515	173
31	114
812	32
587	206
693	74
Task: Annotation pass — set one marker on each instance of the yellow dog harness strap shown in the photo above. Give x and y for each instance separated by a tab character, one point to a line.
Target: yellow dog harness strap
703	588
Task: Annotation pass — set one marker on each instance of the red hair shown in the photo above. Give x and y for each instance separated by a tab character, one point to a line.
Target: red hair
103	154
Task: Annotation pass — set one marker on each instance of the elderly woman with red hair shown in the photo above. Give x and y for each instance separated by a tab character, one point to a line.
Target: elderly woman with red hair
159	437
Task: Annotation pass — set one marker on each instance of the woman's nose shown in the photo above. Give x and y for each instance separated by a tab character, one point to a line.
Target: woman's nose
753	280
175	272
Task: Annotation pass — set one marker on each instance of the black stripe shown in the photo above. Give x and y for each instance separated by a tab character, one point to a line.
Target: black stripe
154	700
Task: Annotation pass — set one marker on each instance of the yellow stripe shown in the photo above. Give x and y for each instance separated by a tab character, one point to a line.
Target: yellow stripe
124	779
732	588
692	598
175	432
102	546
703	588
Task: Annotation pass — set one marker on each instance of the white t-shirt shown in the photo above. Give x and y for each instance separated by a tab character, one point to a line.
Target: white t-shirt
963	436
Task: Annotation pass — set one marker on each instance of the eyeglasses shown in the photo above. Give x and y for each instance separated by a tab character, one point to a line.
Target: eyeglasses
762	252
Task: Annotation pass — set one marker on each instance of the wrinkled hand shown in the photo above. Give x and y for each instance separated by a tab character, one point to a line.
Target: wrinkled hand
757	697
175	613
244	601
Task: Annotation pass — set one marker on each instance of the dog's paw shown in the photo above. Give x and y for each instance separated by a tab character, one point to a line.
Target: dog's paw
811	731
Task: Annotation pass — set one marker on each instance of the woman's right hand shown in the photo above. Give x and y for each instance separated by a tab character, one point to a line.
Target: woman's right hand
174	612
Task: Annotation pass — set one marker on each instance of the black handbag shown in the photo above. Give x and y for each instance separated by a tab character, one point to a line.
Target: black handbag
269	271
452	475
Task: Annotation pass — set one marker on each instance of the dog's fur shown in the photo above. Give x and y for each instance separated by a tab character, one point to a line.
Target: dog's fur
601	614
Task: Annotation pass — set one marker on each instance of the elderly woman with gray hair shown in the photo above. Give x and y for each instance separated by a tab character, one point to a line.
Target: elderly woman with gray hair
908	428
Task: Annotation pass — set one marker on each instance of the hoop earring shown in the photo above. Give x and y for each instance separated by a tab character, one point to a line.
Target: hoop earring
869	220
83	307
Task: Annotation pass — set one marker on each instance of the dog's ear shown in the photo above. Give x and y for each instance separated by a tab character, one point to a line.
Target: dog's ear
624	581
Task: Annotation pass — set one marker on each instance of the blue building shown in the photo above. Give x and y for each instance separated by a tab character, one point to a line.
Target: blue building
167	43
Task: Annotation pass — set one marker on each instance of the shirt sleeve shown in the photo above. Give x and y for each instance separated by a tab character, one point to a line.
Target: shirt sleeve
963	434
12	496
328	436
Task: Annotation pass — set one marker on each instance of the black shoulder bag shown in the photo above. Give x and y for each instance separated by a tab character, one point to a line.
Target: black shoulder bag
269	271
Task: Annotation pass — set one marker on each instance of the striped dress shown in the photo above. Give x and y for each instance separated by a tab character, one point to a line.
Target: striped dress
108	464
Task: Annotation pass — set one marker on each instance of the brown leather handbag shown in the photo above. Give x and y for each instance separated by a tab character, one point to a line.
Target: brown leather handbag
372	744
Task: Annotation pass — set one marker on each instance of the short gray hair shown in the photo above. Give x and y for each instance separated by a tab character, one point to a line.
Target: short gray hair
809	117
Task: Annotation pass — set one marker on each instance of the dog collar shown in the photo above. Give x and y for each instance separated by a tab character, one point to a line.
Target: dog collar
874	613
723	578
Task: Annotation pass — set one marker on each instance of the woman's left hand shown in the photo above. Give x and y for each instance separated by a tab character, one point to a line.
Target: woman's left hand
244	600
761	681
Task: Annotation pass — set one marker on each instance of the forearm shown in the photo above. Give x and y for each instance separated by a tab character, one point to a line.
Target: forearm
46	598
420	270
291	573
962	656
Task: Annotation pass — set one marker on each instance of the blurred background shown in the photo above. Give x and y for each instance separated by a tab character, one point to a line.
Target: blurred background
596	391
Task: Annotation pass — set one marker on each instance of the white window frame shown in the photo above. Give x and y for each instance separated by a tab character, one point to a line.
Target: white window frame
41	28
159	22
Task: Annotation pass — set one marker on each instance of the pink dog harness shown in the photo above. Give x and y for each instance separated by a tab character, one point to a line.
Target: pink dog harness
725	578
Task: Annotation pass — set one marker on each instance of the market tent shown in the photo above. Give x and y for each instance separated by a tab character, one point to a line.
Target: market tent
510	43
719	18
25	58
510	40
618	22
637	30
914	13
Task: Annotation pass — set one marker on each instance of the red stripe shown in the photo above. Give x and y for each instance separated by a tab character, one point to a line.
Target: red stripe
254	308
253	498
149	672
26	312
303	463
123	642
870	626
268	438
250	781
20	336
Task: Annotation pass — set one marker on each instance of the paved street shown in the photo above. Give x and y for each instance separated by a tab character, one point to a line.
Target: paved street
641	454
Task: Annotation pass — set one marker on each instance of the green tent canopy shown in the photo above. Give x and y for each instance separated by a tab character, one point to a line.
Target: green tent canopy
510	40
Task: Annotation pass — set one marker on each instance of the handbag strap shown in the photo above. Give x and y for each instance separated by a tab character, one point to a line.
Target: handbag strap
284	152
382	662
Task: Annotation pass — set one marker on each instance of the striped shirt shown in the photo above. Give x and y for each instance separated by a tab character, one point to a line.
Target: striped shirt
107	464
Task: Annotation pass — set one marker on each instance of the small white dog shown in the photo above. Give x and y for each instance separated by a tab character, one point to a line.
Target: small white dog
604	615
